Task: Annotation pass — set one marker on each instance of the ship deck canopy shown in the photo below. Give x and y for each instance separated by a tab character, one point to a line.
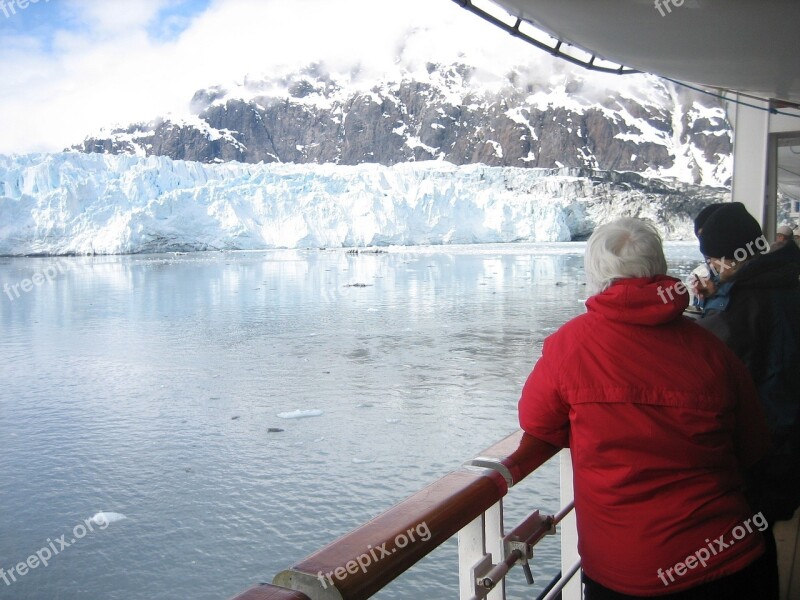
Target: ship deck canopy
746	51
750	46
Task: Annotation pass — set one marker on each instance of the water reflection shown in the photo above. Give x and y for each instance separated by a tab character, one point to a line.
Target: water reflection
148	385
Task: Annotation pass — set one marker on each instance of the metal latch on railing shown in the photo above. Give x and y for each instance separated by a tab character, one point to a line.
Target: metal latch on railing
518	548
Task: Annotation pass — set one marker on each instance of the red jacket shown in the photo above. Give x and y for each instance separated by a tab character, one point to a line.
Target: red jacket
660	418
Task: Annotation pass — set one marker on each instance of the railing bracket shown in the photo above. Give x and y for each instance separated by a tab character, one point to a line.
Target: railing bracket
526	568
480	575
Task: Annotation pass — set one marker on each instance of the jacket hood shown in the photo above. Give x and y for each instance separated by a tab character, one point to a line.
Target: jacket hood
642	300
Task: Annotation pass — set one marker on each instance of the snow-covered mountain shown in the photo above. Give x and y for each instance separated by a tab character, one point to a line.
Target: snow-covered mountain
428	154
448	112
73	203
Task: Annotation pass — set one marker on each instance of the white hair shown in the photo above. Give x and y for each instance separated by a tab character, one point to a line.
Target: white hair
623	249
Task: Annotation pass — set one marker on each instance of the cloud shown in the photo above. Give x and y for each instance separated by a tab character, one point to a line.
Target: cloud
109	17
104	62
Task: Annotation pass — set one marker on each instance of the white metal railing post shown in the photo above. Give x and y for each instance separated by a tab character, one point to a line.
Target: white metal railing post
569	530
480	546
470	552
493	529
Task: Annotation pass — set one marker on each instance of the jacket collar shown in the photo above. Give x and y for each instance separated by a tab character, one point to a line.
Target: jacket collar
642	300
721	298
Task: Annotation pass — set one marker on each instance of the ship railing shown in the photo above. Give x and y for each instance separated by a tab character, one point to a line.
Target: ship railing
467	503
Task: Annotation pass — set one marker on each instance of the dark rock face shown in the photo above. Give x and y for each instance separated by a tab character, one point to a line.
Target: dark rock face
445	118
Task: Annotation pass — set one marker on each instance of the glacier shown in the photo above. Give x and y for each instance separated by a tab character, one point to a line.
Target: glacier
72	203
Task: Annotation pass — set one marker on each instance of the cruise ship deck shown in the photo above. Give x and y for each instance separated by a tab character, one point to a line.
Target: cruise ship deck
746	54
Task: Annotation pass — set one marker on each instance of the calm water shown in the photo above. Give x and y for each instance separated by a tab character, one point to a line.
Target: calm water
147	385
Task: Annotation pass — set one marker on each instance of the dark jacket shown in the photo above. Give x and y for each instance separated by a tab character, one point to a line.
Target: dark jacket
757	314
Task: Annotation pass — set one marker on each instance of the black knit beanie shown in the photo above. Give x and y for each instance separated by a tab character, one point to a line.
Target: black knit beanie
703	215
727	229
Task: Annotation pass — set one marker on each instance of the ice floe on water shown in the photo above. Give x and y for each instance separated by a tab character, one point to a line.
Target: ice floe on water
300	414
106	518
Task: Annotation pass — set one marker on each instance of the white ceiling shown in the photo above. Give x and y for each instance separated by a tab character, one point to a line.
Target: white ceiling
751	46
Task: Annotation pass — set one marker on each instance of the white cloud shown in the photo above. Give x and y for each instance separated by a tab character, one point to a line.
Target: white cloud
110	71
110	17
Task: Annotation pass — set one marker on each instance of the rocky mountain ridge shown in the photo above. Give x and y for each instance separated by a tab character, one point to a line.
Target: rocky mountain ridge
445	113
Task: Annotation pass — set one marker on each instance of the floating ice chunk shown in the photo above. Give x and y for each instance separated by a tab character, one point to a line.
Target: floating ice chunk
300	414
361	461
105	518
392	420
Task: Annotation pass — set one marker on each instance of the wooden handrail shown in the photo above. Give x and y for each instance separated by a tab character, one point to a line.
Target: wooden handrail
362	562
516	456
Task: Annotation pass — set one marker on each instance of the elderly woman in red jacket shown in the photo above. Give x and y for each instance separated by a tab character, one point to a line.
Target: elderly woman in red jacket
661	420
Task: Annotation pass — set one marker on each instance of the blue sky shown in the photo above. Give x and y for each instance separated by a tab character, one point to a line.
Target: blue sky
42	19
72	67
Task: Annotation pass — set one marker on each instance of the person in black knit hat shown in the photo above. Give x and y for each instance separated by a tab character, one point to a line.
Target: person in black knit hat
701	217
730	232
728	236
755	310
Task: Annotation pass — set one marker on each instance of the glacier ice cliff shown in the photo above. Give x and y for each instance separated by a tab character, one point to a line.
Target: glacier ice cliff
73	203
